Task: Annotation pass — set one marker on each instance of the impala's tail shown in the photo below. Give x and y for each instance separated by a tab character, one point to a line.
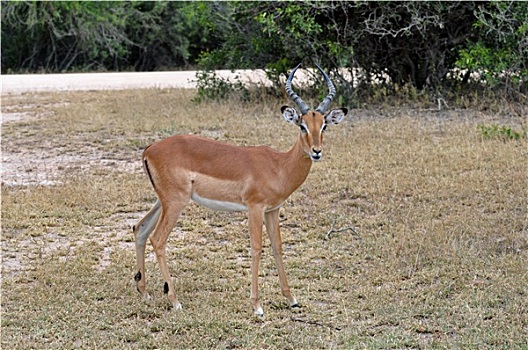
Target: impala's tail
147	170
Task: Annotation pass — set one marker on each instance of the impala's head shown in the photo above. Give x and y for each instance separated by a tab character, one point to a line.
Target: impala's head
312	123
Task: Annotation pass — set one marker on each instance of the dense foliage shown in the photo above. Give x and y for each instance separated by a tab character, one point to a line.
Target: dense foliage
64	36
420	44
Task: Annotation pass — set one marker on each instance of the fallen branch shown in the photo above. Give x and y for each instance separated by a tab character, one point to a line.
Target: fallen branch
332	230
315	323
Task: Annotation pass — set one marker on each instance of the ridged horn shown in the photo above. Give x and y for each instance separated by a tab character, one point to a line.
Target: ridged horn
324	105
294	97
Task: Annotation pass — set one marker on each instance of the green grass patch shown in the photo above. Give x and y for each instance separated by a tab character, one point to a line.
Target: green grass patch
500	132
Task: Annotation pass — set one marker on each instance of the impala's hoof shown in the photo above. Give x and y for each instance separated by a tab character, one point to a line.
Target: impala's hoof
177	307
294	304
259	312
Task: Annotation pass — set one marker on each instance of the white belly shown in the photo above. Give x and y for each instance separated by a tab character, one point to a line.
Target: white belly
218	205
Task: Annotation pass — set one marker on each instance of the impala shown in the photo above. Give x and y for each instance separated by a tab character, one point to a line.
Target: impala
231	178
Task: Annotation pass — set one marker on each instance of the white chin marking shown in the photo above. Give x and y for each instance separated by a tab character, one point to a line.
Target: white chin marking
218	205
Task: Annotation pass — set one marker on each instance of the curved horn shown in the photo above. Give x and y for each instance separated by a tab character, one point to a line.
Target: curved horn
294	97
324	105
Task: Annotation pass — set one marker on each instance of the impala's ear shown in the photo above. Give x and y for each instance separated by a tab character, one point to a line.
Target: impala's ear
336	116
290	115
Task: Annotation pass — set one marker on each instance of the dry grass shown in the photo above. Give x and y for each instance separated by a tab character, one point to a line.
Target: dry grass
438	257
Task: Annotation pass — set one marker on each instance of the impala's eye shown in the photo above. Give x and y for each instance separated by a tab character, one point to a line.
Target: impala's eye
323	128
303	129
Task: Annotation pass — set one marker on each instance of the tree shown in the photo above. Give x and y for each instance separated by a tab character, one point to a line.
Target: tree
56	36
499	54
418	44
73	35
167	35
411	42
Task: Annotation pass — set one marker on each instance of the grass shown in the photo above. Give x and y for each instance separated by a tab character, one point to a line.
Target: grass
436	258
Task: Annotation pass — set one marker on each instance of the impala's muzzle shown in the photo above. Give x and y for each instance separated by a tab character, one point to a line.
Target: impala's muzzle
316	154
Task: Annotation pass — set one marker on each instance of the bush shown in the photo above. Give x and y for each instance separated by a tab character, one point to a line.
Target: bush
499	55
212	87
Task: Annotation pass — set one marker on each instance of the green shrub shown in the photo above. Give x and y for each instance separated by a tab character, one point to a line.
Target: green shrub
500	132
212	87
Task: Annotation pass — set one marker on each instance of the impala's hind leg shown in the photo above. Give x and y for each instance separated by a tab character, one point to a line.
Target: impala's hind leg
255	233
169	216
142	231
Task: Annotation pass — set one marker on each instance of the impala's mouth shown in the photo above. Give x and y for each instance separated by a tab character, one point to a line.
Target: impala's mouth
316	156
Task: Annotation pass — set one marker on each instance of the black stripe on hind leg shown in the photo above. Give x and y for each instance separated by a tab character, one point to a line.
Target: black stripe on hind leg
137	277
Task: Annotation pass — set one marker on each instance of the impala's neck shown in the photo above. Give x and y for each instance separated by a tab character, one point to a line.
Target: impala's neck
297	165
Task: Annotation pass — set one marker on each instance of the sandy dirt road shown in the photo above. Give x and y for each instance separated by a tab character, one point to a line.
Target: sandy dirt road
20	83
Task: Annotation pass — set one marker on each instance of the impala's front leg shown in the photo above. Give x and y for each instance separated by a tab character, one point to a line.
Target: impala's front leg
272	226
255	233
